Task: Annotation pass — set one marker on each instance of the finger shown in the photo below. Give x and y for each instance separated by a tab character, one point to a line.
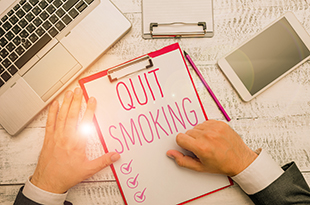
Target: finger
194	133
90	110
51	121
51	117
186	142
73	114
62	115
102	162
86	126
185	161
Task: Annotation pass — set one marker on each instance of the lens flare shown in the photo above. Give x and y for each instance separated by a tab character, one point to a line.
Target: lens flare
86	128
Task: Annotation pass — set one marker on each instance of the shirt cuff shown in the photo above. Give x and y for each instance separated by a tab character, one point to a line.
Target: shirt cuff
40	196
258	175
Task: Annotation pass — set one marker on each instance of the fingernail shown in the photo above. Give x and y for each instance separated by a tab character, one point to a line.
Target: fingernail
115	157
69	94
54	104
77	91
170	156
92	100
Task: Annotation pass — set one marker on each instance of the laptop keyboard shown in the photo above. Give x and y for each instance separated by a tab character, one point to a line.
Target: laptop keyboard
29	26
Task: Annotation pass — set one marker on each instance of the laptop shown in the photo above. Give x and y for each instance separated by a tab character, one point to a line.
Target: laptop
44	46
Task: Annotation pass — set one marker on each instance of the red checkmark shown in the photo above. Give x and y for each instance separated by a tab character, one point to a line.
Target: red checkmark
132	182
140	197
126	168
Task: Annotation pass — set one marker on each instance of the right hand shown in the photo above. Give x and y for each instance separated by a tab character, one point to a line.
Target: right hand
219	149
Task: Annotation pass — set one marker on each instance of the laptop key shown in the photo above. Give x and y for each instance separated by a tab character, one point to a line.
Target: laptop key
23	23
59	25
44	15
26	43
53	19
33	51
1	83
17	40
37	22
10	13
81	6
33	37
60	12
24	34
2	32
43	4
47	25
29	17
40	31
13	19
12	69
57	3
27	7
6	63
5	76
16	7
10	47
73	13
4	53
21	2
51	9
33	2
66	19
30	28
4	18
53	32
7	26
16	29
19	50
20	13
13	56
69	4
89	1
36	10
3	42
9	35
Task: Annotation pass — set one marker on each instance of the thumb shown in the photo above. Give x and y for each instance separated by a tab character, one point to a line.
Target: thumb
185	161
102	162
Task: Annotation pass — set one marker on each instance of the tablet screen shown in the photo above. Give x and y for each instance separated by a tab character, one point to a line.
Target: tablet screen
267	56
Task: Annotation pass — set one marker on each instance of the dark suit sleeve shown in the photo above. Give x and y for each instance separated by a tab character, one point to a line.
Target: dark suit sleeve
22	200
289	188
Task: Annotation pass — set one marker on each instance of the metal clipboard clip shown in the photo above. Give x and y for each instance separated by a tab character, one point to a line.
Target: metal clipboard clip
179	34
130	68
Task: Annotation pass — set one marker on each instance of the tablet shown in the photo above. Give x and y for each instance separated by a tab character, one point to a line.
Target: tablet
267	57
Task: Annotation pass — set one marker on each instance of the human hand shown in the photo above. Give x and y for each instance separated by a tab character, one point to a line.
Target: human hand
219	149
63	162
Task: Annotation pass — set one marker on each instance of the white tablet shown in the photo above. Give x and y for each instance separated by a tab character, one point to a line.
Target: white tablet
267	57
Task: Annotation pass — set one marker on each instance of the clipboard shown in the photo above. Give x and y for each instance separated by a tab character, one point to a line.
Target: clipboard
177	18
142	105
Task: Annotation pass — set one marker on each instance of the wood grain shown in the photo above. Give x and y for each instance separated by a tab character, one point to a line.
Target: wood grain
278	120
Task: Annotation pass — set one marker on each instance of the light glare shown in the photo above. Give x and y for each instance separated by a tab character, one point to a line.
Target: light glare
86	128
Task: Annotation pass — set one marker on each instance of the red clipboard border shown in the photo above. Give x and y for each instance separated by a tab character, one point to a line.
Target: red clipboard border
154	54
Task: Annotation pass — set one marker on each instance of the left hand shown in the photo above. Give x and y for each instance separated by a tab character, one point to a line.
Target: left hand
63	163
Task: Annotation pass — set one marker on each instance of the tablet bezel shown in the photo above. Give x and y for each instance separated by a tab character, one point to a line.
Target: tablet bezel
233	77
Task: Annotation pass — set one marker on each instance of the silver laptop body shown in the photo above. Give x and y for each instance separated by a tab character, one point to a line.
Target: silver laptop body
44	46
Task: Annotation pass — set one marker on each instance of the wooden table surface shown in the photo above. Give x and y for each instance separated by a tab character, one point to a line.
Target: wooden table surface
278	120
